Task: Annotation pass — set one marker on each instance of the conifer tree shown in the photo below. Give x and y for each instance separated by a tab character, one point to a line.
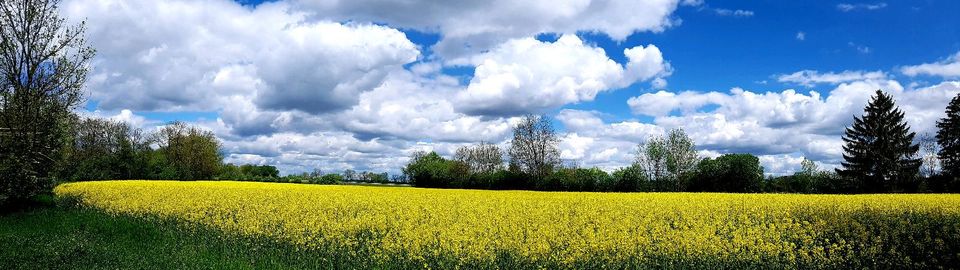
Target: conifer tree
948	136
879	153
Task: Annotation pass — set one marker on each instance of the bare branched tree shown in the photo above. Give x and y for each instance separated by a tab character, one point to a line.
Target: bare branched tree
43	67
682	154
652	158
534	146
481	158
929	160
809	167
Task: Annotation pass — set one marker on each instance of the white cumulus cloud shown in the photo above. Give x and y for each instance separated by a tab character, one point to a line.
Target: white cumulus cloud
527	75
472	26
187	55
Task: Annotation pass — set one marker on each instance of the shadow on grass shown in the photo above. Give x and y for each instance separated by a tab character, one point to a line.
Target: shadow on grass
59	236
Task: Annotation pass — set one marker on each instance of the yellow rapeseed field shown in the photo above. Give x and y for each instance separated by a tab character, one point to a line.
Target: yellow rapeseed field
462	228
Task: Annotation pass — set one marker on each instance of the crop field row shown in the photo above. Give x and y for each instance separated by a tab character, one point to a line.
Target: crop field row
401	227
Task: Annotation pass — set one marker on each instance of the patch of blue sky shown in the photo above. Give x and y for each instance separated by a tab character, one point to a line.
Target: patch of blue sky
165	117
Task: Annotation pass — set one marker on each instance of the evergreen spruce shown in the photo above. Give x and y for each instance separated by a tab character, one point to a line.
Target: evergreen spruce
879	154
948	136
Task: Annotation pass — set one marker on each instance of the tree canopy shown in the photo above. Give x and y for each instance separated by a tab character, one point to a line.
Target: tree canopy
43	67
948	136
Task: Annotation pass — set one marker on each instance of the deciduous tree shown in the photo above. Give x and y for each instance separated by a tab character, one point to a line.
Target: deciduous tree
534	149
43	67
481	158
668	158
191	152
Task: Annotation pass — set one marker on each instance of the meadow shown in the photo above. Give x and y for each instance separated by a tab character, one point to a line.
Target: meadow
291	225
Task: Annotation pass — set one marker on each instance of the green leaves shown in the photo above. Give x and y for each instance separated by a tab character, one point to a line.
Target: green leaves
948	136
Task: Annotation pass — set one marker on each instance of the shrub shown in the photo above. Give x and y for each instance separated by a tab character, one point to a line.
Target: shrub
627	179
430	170
329	179
728	173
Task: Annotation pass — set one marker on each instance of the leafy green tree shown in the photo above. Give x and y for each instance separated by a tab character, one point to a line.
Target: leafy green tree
429	170
879	153
627	179
101	149
668	159
189	153
259	171
948	137
728	173
229	171
43	67
801	181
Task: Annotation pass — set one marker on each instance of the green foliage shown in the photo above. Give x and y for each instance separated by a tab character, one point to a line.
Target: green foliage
879	153
372	177
97	149
432	170
314	178
627	179
100	149
192	153
789	184
574	179
260	170
499	179
948	137
817	183
44	61
668	160
248	172
943	183
268	173
728	173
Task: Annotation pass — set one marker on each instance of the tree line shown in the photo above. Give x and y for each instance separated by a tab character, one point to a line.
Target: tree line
102	149
668	163
880	155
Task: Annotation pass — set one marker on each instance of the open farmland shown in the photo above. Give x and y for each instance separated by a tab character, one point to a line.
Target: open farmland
399	227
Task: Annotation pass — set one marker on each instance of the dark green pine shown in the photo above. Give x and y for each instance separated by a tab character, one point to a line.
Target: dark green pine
948	136
879	153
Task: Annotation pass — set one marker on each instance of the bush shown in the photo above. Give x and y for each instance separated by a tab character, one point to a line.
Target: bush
589	179
329	179
431	170
831	182
504	179
797	183
627	179
728	173
942	183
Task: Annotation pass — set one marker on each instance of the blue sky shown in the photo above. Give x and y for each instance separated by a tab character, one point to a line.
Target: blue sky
714	52
359	85
717	52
